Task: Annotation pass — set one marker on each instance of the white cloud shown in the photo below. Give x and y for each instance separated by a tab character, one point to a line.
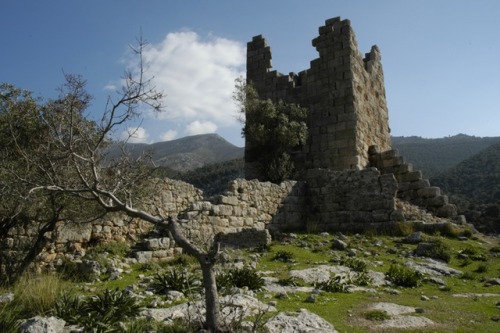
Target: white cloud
200	127
135	135
197	76
168	135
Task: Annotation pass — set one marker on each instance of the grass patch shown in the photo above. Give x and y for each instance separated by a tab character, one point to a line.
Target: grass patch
37	295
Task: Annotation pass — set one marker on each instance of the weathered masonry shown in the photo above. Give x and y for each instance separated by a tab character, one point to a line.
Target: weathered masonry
343	91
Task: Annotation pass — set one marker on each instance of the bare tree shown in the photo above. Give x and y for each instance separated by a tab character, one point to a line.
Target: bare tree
65	164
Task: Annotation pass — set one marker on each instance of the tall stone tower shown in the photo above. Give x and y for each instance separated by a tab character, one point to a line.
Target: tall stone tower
343	91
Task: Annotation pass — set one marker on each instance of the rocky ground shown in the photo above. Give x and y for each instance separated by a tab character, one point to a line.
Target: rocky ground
325	283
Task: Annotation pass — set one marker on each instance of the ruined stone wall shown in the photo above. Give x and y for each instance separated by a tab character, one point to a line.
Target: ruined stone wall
349	199
412	187
69	240
343	91
246	214
248	205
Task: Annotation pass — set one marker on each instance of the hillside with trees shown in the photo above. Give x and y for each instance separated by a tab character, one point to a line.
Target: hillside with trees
434	156
474	185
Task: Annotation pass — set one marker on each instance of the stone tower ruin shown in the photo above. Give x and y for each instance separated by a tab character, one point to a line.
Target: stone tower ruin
343	92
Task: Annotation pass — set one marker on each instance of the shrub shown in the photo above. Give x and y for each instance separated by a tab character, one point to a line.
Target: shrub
181	281
336	284
99	314
354	264
435	249
284	256
70	308
377	315
403	276
362	279
240	278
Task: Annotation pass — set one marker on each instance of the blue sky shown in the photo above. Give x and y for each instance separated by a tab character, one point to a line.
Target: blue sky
440	57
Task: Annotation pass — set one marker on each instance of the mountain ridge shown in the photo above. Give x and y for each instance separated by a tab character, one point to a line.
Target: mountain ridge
184	154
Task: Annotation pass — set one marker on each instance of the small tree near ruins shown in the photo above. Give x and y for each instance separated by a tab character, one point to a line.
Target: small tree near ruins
54	166
273	131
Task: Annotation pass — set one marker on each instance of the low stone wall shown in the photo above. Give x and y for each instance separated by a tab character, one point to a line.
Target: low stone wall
69	240
412	187
340	200
247	205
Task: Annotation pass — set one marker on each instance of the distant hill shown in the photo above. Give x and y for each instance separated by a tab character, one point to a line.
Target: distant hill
185	154
476	179
434	156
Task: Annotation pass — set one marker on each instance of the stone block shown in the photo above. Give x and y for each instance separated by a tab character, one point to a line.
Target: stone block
229	200
143	256
440	200
75	232
419	184
447	211
429	192
410	176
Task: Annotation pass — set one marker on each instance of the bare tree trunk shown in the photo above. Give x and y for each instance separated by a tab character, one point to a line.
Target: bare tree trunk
207	261
211	296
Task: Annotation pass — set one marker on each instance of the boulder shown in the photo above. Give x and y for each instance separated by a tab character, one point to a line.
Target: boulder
339	245
414	238
301	322
42	325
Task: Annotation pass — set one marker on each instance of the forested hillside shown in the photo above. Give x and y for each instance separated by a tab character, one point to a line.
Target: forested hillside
477	178
433	156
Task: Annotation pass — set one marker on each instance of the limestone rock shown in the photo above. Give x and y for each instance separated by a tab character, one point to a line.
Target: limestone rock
339	245
303	322
42	325
433	268
7	297
414	238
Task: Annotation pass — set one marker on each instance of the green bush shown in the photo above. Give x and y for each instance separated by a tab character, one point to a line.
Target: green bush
403	276
181	281
244	277
438	250
354	264
377	315
362	279
98	314
70	308
336	284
